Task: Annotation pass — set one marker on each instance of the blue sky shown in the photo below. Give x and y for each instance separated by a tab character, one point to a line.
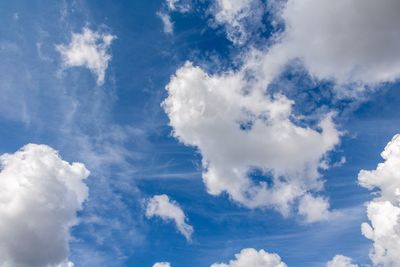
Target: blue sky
137	148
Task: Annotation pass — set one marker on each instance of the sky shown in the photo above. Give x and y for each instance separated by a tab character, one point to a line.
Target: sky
199	133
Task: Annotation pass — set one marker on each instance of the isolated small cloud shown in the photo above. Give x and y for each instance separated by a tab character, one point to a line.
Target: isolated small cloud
314	208
341	261
88	49
39	195
162	264
168	210
168	25
250	257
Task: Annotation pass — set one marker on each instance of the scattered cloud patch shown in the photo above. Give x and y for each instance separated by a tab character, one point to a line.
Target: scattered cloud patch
250	257
238	17
167	23
39	195
88	49
384	211
161	206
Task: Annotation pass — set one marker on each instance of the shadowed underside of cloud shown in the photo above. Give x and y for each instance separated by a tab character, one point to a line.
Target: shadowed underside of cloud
40	195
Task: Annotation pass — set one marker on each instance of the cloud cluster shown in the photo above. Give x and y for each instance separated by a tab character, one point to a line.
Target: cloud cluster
239	129
384	211
250	257
161	206
39	197
88	49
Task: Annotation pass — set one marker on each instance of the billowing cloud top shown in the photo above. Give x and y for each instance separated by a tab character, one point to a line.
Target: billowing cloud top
88	49
39	197
341	261
161	206
250	257
384	210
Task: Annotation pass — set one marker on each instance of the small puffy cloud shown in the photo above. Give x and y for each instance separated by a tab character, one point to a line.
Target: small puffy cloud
161	206
167	23
238	128
384	211
88	49
39	197
341	261
237	16
314	208
162	264
343	39
250	257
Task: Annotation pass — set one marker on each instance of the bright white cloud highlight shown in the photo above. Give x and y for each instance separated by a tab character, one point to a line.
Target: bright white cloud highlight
384	211
161	206
39	197
162	264
88	49
250	257
341	261
237	128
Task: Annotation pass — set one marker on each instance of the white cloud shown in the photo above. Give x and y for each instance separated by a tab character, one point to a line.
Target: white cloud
88	49
341	261
167	23
238	127
163	207
343	39
237	16
162	264
348	49
314	208
384	211
39	197
250	257
178	5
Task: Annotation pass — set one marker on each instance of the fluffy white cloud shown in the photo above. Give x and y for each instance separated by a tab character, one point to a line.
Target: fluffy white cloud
88	49
162	264
237	16
343	39
163	207
341	261
314	208
39	197
384	211
250	257
167	23
238	128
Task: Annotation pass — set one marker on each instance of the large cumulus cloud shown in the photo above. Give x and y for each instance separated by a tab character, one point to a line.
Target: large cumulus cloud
39	196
